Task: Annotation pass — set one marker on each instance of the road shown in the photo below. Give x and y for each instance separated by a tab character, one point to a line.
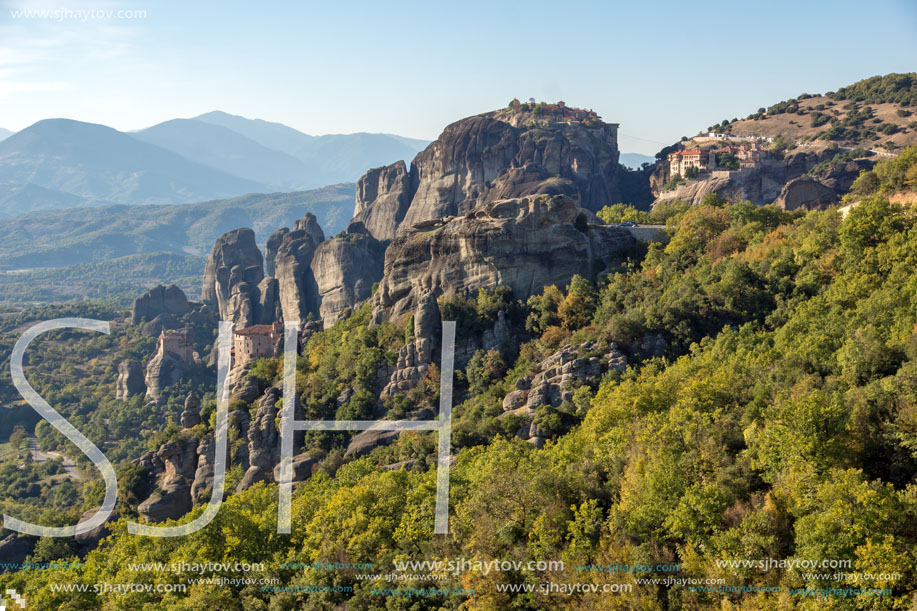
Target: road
40	457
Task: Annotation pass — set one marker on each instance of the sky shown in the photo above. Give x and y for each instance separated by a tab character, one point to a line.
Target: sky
661	69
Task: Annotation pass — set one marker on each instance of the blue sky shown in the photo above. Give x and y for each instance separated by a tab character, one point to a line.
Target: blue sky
660	69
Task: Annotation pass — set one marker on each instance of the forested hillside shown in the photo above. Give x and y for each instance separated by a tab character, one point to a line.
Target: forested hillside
768	412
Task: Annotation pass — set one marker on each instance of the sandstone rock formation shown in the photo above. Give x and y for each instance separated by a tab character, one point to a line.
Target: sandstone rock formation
553	381
239	420
302	468
202	486
414	359
174	464
760	185
383	195
130	379
365	441
498	155
525	244
496	338
90	540
788	182
14	549
191	417
234	270
162	322
242	387
805	193
345	269
263	441
159	300
163	370
268	309
297	289
271	248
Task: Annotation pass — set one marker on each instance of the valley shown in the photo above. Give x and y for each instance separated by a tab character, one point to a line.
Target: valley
648	370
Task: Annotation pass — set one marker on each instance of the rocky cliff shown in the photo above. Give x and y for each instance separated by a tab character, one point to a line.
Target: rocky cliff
791	181
130	379
475	164
551	383
159	300
497	155
298	292
526	244
234	271
383	196
345	269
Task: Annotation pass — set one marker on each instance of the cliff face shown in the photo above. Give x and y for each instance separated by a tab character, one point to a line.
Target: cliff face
785	181
526	244
298	293
233	272
383	195
345	269
490	157
157	301
520	185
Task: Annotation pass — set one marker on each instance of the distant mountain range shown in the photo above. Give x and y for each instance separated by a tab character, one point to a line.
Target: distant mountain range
4	134
60	163
63	238
332	158
635	160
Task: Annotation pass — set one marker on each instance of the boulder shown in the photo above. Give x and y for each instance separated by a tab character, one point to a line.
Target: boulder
14	549
171	501
302	468
806	193
364	442
553	381
90	540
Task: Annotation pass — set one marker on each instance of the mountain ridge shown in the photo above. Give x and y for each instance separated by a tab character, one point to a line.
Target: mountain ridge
227	151
96	162
66	237
61	163
336	157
